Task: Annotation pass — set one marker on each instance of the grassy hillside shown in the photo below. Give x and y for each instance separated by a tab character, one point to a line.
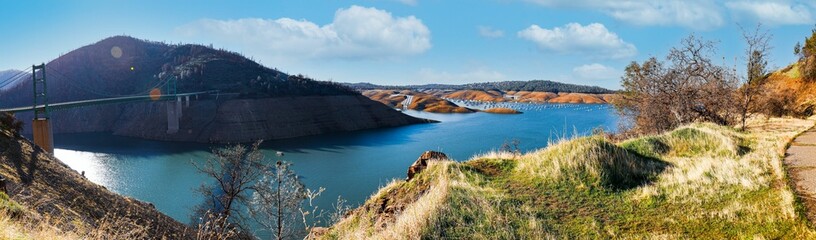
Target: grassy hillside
698	181
786	92
44	199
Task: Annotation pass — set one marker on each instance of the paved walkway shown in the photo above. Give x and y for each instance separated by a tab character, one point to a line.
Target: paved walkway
801	161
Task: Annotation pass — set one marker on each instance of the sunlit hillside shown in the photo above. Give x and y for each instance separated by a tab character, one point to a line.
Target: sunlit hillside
698	181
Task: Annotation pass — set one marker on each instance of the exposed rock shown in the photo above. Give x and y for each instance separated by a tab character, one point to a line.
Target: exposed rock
420	101
502	111
437	100
317	232
422	163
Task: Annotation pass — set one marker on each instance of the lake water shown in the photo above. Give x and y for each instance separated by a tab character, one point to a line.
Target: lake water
352	165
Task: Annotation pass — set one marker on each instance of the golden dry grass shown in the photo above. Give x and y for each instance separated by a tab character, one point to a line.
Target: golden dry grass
15	229
36	227
787	83
413	217
57	197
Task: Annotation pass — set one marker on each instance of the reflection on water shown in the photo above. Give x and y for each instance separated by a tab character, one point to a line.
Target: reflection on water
92	164
351	165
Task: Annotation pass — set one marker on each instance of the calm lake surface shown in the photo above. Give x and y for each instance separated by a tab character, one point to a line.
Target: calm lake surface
352	165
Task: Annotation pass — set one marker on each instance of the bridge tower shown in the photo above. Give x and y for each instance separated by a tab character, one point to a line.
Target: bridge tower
43	136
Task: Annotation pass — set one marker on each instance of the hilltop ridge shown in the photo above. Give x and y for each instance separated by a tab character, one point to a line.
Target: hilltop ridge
532	85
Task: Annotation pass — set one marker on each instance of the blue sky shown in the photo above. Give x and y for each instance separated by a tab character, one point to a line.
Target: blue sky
412	41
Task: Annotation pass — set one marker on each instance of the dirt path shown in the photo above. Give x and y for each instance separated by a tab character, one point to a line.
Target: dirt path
800	159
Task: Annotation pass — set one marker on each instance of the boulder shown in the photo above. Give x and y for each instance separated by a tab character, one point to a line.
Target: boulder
317	232
422	163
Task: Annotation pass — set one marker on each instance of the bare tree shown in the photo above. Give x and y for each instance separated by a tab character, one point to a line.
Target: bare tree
511	147
797	49
341	208
276	203
234	169
757	52
688	87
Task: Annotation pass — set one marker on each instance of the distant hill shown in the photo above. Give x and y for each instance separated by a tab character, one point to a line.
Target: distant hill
124	65
12	78
251	100
533	85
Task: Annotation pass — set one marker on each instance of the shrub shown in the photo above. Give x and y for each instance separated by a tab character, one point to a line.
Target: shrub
10	206
7	121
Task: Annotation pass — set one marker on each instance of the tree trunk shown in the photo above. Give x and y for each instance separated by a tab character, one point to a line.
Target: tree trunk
280	220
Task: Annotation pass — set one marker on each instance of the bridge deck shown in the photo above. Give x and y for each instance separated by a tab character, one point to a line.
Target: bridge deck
64	105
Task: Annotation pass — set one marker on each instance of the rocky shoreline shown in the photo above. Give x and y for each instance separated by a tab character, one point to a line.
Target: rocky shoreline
440	101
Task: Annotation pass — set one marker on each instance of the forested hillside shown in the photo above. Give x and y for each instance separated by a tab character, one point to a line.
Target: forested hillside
533	85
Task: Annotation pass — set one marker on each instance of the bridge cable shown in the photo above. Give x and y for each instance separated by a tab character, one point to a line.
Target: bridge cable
13	78
18	75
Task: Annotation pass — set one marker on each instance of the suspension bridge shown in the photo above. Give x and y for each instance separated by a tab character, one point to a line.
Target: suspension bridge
43	134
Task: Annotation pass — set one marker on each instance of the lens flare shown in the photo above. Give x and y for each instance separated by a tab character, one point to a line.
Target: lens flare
116	52
155	94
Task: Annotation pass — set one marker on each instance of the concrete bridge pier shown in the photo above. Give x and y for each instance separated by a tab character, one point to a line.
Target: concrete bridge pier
43	136
173	115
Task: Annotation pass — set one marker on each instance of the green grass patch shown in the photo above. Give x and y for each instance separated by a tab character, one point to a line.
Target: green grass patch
793	71
10	206
490	166
698	140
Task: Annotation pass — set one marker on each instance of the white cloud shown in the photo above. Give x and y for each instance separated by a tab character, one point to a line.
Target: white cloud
478	75
489	32
595	71
593	39
774	13
356	32
695	14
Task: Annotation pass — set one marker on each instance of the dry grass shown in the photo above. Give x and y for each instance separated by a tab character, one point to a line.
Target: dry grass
403	219
698	181
788	93
50	197
30	225
11	228
587	161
